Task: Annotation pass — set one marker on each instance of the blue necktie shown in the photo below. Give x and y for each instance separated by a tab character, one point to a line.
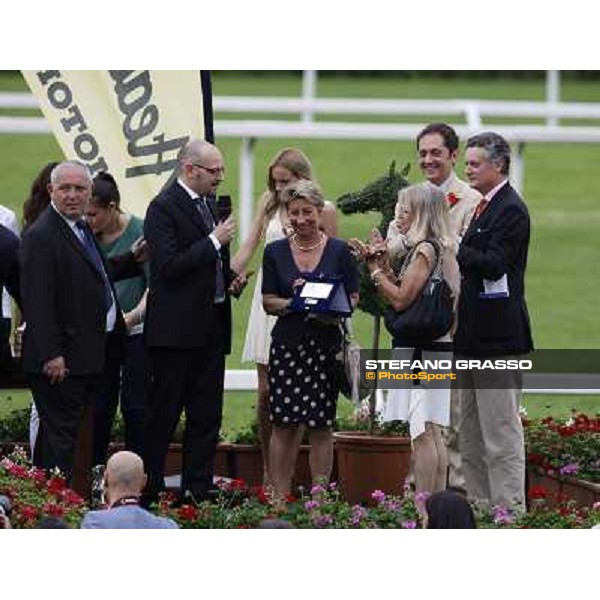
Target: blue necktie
207	217
94	255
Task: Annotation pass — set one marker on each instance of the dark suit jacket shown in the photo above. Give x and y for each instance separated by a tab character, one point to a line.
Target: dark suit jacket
495	244
9	263
63	300
180	311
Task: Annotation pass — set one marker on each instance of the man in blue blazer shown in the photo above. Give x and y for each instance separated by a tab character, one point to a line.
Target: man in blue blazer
493	323
124	480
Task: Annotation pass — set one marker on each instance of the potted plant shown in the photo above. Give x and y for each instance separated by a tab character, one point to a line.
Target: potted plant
371	456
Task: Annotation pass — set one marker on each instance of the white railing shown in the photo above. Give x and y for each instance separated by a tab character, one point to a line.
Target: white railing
473	112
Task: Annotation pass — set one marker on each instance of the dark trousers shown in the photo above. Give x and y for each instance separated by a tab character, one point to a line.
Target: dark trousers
5	352
125	376
190	379
65	437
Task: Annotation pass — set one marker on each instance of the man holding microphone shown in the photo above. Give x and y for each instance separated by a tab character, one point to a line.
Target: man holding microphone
188	319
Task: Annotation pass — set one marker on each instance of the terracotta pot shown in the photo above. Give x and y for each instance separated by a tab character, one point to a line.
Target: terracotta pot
583	492
245	462
367	463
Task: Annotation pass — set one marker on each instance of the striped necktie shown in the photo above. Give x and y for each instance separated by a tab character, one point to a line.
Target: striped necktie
94	255
480	208
209	221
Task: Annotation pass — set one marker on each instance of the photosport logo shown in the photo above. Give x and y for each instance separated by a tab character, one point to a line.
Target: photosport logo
540	370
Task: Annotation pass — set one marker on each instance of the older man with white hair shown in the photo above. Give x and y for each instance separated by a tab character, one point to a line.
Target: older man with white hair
71	309
124	480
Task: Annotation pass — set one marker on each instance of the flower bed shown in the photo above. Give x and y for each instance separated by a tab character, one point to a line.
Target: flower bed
33	494
569	449
240	507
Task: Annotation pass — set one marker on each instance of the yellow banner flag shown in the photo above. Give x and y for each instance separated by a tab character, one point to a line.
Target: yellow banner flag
130	123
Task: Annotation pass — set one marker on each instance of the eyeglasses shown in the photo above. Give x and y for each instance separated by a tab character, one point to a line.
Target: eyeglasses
213	172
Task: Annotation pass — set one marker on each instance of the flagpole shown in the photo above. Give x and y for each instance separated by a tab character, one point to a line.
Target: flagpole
205	82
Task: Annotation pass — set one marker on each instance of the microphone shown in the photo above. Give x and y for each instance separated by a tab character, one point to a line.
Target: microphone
223	207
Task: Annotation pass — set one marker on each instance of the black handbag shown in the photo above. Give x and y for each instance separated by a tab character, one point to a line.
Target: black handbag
430	316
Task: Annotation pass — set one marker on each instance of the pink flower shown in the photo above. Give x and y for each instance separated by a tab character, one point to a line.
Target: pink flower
378	496
410	524
570	469
317	489
421	497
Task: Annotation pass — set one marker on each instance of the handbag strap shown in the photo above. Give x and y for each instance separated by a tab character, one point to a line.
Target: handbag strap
436	271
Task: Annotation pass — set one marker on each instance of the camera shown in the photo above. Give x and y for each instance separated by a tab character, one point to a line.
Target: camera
5	511
5	506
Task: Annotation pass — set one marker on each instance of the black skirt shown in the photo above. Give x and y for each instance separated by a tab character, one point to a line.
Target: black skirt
302	387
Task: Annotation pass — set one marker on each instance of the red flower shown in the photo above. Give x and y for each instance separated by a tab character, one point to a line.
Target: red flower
452	198
237	485
36	475
56	485
29	513
188	513
168	497
16	470
260	494
71	498
538	493
53	510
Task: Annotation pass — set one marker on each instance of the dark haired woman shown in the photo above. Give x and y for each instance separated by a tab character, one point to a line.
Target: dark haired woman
449	510
39	197
126	372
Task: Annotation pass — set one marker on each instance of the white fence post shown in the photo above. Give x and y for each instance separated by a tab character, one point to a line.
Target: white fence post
552	94
309	92
246	186
517	175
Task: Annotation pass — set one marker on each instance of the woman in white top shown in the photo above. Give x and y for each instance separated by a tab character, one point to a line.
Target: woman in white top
422	215
271	224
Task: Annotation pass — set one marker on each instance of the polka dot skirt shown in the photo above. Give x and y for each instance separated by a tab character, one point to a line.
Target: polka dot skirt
301	385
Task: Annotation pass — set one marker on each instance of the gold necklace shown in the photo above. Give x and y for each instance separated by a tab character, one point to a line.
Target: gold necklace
308	248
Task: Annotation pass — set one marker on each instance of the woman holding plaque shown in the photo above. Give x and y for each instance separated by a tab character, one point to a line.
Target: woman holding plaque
270	224
302	382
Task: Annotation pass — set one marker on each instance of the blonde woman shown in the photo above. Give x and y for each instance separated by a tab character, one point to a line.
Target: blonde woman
272	223
422	217
304	389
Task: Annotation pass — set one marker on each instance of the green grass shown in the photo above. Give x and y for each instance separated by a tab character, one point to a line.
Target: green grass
239	407
562	191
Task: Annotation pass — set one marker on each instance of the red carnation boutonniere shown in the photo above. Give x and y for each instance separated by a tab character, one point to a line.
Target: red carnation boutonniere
452	199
